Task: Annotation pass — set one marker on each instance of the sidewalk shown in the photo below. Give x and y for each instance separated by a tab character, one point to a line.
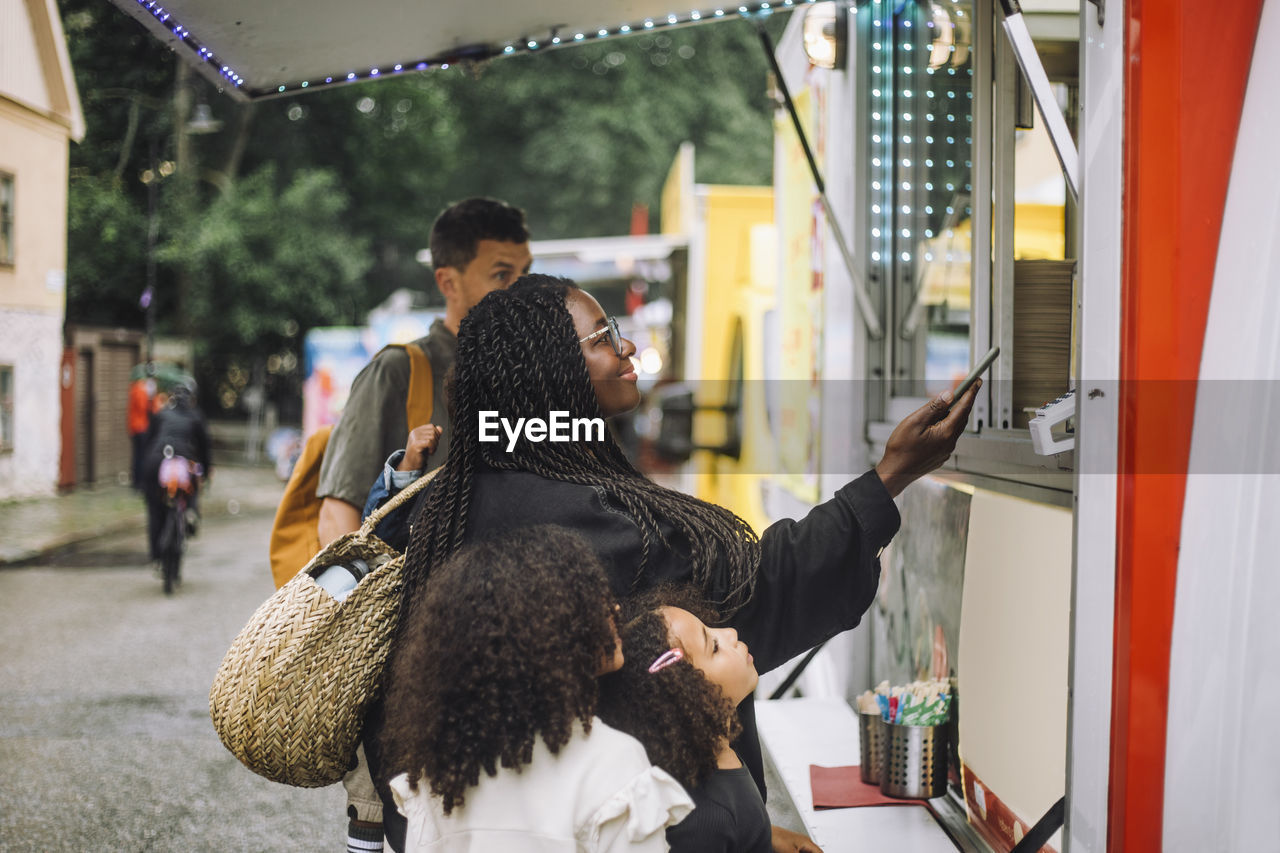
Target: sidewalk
30	529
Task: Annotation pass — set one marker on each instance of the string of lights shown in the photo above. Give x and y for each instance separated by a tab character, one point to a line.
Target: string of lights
525	44
921	158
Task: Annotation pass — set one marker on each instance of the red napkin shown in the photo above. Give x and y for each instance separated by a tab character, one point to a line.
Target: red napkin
842	787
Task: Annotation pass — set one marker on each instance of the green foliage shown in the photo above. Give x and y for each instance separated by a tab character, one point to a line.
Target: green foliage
390	148
574	136
117	65
125	82
103	286
344	183
262	261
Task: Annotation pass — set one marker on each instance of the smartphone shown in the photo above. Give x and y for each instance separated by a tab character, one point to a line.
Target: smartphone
978	369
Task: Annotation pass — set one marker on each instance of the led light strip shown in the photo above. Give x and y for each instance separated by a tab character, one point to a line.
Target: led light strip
523	45
184	35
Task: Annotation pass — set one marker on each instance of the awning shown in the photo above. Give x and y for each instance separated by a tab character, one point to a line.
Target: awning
267	48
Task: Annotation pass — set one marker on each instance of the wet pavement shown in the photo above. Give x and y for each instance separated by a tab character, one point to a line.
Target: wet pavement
104	727
105	736
34	528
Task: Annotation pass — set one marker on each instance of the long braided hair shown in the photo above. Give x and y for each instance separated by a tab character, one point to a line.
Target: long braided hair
518	354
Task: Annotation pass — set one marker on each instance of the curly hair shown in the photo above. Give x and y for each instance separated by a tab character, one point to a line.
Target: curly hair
503	649
518	353
677	713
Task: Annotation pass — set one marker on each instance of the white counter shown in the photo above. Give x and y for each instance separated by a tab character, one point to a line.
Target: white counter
796	733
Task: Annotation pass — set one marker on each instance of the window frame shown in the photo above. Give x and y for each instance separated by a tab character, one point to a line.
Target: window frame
8	405
990	454
8	218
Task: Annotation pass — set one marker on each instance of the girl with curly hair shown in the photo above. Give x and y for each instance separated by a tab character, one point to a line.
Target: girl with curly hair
676	693
545	346
492	704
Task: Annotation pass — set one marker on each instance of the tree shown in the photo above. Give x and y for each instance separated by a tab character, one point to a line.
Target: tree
103	286
576	136
344	183
265	262
124	77
391	148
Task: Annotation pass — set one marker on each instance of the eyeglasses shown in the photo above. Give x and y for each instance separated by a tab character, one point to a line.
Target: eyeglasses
610	329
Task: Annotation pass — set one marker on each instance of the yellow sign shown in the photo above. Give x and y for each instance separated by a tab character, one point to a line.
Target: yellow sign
800	301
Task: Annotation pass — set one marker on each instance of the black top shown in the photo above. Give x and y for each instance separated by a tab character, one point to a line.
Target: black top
728	817
817	575
182	428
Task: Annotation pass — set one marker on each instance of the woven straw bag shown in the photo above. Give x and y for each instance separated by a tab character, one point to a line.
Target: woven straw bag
290	697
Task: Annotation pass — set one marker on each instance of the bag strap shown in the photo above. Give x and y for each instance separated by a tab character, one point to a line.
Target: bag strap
404	495
420	402
1039	835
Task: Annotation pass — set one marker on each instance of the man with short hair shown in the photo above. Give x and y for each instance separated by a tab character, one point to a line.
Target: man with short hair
477	246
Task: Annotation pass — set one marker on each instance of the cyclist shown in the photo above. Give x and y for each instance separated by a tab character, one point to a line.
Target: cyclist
179	428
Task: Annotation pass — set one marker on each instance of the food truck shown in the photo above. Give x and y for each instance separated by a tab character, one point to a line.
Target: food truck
1086	185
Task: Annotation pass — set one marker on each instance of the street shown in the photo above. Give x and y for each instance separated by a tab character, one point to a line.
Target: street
105	737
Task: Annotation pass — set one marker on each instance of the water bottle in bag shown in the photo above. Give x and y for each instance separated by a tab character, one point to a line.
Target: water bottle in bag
338	580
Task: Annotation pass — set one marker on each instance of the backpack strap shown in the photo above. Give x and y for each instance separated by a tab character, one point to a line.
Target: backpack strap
420	403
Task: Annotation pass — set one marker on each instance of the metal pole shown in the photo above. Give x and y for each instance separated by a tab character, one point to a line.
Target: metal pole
860	293
153	232
1024	50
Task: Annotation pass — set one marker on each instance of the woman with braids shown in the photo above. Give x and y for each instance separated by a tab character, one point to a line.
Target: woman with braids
676	692
491	709
545	346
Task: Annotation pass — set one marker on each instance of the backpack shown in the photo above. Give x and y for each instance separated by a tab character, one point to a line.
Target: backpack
295	535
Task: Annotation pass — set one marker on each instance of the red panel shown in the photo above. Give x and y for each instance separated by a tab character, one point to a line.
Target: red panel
1188	62
67	397
998	825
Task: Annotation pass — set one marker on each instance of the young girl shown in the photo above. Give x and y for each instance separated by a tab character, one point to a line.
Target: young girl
676	692
491	709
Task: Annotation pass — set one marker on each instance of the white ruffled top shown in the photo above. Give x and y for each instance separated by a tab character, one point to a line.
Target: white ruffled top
597	795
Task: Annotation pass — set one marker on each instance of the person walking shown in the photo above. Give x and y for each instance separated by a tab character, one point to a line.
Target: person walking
138	418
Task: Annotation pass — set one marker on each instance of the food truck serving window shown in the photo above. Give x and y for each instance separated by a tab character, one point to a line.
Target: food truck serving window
951	122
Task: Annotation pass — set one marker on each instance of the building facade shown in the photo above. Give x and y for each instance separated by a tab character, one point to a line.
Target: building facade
39	117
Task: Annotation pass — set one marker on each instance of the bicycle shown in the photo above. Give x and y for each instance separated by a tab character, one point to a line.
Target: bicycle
179	478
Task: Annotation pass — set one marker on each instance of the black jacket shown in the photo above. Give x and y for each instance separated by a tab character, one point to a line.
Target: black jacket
185	431
817	575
